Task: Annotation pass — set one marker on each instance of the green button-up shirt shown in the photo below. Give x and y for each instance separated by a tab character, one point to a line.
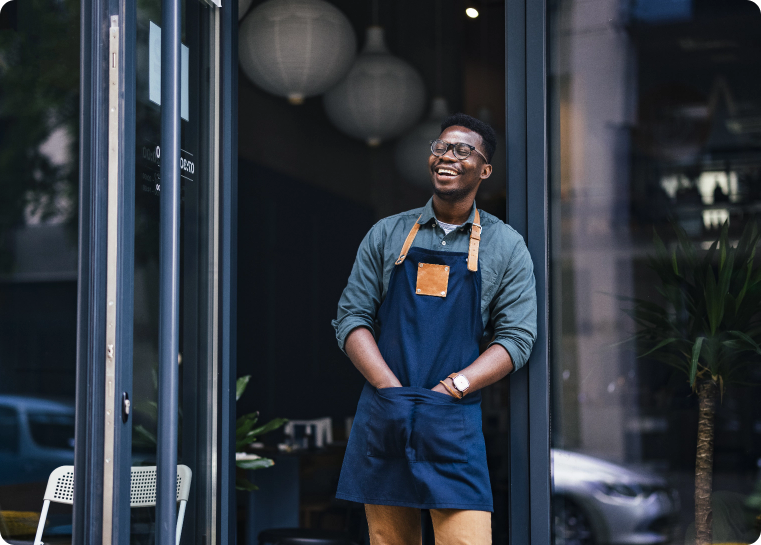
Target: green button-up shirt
508	292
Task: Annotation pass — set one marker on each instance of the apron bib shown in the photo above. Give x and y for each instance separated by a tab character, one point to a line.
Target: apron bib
411	446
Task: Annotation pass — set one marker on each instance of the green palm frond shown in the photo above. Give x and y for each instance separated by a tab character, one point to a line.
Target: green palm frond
708	325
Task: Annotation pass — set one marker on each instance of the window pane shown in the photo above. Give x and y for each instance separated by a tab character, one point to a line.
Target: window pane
39	141
652	131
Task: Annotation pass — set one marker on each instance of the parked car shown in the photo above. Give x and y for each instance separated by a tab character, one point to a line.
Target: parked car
599	503
36	436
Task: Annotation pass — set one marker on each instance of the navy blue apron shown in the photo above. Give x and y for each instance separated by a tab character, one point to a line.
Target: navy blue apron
411	446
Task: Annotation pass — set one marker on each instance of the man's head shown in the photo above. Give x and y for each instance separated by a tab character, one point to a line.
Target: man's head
454	177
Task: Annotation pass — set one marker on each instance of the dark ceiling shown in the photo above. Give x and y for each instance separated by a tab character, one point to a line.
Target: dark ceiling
300	142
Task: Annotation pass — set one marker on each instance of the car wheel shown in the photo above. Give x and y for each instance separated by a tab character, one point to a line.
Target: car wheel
571	525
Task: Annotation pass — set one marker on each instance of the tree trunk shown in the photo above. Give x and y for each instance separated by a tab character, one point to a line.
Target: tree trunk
708	392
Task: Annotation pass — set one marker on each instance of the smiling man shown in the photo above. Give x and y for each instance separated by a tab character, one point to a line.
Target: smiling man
428	288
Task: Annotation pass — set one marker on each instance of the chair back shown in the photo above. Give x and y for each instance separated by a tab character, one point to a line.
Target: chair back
142	491
60	487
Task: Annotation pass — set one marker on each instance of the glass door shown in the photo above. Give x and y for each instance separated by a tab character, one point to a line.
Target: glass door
197	356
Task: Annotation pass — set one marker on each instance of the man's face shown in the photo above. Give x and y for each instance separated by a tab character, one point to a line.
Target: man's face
454	178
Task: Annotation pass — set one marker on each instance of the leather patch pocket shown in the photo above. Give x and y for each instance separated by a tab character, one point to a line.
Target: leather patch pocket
432	279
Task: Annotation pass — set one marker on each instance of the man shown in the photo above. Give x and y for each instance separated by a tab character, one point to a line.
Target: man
427	286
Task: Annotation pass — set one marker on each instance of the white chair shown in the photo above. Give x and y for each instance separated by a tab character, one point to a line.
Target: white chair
142	492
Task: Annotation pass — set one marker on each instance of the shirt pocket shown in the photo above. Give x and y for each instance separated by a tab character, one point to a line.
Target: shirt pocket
417	424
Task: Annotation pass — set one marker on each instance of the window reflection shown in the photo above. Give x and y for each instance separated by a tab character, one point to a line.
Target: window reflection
654	124
39	107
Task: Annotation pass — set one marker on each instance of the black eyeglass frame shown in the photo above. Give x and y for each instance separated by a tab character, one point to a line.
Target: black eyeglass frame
453	147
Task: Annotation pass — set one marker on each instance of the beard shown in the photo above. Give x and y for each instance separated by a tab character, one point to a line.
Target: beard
451	195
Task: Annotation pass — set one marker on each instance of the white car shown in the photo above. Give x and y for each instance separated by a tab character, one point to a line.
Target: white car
596	502
36	436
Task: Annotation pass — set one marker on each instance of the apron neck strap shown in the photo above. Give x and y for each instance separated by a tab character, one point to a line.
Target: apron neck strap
475	238
408	242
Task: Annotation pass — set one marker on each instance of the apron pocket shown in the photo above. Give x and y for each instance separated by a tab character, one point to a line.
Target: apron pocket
388	426
438	433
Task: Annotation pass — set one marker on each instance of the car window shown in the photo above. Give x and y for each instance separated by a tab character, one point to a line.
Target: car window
52	430
9	429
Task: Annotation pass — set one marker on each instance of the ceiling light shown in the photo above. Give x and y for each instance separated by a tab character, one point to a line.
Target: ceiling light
471	12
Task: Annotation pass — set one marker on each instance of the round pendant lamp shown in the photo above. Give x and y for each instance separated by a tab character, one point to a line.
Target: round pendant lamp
412	151
380	97
296	48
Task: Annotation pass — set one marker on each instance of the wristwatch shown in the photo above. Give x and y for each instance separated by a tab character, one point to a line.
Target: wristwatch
461	383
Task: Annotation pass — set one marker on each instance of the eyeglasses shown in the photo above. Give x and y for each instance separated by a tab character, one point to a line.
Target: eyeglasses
461	149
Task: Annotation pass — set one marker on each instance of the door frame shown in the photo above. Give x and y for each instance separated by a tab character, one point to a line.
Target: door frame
528	212
91	411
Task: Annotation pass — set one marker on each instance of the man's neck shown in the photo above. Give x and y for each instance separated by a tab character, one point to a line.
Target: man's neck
452	212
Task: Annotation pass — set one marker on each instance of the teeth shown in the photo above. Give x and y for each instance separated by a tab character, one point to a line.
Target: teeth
447	172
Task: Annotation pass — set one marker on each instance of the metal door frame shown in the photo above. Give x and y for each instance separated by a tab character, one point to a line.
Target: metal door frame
93	349
528	212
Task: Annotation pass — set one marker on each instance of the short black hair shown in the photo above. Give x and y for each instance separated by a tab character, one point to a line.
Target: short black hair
488	135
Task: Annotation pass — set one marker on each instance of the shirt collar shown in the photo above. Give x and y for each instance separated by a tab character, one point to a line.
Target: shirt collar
428	213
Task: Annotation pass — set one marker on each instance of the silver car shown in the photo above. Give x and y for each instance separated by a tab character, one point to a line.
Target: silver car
596	502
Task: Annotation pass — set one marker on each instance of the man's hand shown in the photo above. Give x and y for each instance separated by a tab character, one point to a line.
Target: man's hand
364	354
440	388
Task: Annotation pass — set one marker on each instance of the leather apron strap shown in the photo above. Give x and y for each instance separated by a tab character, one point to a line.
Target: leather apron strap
408	242
475	238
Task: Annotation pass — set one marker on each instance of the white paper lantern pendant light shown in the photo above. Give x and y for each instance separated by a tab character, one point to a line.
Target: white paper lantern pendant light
380	97
296	48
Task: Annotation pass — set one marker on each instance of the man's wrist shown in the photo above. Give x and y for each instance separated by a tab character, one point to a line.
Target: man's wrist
449	387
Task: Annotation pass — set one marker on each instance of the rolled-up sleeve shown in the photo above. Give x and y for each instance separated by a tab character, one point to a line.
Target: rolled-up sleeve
513	308
361	298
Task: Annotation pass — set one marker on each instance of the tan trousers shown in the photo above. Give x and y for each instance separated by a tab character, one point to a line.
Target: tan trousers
391	525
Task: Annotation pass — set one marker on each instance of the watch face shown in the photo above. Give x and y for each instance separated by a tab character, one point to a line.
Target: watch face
461	383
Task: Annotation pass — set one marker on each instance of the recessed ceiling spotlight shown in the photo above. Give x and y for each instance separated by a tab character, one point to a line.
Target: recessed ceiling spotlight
471	12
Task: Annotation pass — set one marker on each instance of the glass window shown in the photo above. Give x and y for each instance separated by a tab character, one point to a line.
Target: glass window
198	209
9	430
39	142
655	159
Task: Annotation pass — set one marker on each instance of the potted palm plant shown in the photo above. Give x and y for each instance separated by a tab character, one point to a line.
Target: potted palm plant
246	432
707	327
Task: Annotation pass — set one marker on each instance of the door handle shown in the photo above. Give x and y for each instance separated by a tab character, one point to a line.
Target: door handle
125	407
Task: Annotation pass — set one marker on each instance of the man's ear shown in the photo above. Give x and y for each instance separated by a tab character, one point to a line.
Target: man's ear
485	172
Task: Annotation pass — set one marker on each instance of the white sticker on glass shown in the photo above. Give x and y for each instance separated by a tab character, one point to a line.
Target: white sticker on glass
154	71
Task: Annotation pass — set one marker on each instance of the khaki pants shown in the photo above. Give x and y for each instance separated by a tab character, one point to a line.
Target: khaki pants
391	525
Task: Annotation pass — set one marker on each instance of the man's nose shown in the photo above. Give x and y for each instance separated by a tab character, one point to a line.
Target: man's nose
447	153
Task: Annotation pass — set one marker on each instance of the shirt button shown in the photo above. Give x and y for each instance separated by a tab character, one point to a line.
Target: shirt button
443	242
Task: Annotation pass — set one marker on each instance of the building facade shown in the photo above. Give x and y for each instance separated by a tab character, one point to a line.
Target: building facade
134	295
